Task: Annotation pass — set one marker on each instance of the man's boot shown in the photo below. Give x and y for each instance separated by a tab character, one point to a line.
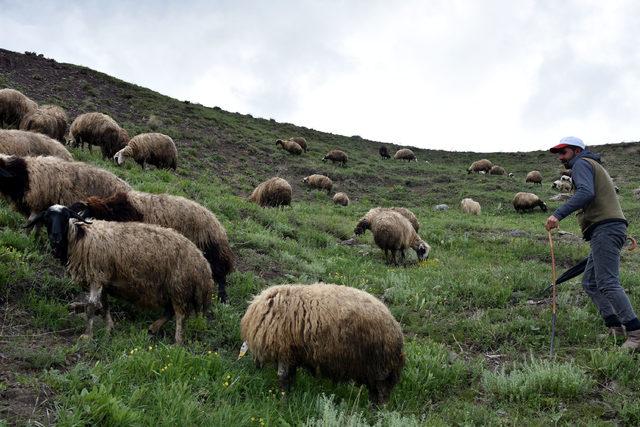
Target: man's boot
633	340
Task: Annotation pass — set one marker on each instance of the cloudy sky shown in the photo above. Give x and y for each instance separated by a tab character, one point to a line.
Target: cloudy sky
475	75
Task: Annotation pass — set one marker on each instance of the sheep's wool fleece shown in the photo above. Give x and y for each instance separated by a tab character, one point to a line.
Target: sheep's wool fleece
23	143
156	148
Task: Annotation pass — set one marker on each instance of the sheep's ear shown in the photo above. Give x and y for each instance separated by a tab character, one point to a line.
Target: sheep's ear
35	220
78	217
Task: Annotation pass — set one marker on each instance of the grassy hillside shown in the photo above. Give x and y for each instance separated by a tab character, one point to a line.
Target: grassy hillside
476	326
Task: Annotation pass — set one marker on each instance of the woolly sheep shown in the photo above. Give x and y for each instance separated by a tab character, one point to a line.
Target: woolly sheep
364	223
336	156
341	199
272	193
98	129
441	207
535	177
384	152
290	146
405	154
393	232
50	120
562	185
483	165
470	206
333	331
526	202
14	106
23	143
300	141
187	217
148	265
157	149
497	170
320	182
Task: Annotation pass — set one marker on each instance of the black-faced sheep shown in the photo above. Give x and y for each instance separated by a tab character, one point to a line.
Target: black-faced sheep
157	149
320	182
393	232
482	165
300	141
341	199
334	331
405	154
273	192
534	177
23	143
526	202
150	266
470	206
364	223
14	106
50	120
98	129
384	152
497	170
187	217
336	156
290	146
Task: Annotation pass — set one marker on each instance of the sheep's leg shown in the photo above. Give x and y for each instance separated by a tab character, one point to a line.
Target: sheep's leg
108	320
402	255
286	375
93	305
155	326
179	324
386	255
222	290
393	257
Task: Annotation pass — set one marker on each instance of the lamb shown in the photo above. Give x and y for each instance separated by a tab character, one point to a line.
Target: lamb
405	154
336	156
562	185
98	129
526	202
157	149
32	184
273	192
14	106
50	120
393	232
364	223
300	141
187	217
482	165
384	152
534	177
341	199
470	206
334	331
320	182
148	265
290	146
23	143
497	170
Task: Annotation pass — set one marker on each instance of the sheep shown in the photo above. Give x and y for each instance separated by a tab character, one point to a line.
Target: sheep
341	199
187	217
14	106
320	182
98	129
441	207
560	197
470	206
334	331
497	170
290	146
384	152
148	265
393	232
482	165
535	177
154	148
50	120
300	141
526	202
364	223
32	184
562	185
405	154
273	192
336	156
23	143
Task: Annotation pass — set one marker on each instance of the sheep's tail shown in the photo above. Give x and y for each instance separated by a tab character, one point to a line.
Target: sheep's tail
221	260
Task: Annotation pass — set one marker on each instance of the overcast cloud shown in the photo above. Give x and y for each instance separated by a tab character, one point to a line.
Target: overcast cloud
463	75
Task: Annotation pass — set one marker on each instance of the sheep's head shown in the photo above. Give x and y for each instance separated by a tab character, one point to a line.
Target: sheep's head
543	206
324	159
279	142
119	157
305	179
422	250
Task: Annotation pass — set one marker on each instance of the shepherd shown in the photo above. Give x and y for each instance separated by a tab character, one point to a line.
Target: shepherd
604	226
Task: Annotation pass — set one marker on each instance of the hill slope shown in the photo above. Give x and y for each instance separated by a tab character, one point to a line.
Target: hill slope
472	310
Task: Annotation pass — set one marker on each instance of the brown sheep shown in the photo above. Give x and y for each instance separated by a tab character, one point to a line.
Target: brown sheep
405	154
497	170
341	199
562	185
535	177
98	129
334	331
300	141
526	202
482	165
290	146
320	182
50	120
336	156
23	143
393	232
14	106
384	152
150	266
364	223
273	192
157	149
470	206
187	217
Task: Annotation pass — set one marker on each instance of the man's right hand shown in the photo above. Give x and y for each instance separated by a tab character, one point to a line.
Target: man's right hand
552	222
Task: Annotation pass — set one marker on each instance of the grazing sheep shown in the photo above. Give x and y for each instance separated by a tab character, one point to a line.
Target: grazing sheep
535	177
300	141
364	223
442	207
50	120
290	146
470	206
384	152
98	129
497	170
393	232
273	192
150	266
526	202
23	143
334	331
560	197
157	149
32	184
320	182
405	154
187	217
336	156
341	199
482	165
14	106
562	185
